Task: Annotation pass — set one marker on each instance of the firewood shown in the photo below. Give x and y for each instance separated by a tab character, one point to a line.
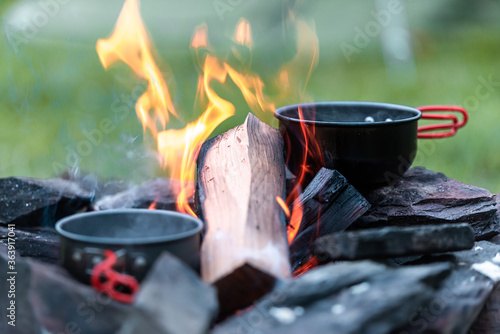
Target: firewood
330	205
465	303
173	297
354	297
28	202
40	243
393	241
244	251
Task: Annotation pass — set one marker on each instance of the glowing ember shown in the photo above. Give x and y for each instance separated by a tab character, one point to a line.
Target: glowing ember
311	263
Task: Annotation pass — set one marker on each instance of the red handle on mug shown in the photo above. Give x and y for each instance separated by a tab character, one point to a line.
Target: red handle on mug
452	127
112	279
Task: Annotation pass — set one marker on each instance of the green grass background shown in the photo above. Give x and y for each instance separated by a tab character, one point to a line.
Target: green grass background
54	88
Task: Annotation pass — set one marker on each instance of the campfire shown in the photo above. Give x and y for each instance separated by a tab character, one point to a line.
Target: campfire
305	218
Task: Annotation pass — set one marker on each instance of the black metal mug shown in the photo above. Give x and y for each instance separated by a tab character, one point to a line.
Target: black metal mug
137	236
367	142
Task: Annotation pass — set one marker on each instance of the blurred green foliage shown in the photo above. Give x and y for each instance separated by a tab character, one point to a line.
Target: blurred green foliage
55	95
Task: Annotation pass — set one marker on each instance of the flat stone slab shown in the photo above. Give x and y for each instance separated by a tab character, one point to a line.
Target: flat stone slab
37	202
393	241
423	197
175	299
357	297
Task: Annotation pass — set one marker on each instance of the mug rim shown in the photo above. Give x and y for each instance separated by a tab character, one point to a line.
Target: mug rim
279	113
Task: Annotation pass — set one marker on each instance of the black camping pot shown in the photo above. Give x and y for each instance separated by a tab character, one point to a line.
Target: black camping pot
137	236
367	142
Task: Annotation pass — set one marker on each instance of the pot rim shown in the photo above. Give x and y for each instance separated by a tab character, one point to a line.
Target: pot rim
279	113
127	241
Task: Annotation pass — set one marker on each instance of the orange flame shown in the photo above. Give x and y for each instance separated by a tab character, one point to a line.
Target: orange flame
283	206
243	33
179	148
200	39
184	145
130	43
311	263
152	206
312	152
290	77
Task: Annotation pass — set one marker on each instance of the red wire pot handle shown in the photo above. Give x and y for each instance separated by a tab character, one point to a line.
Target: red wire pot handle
112	279
451	127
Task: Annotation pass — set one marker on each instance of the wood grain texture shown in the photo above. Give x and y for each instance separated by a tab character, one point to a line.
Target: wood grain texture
240	173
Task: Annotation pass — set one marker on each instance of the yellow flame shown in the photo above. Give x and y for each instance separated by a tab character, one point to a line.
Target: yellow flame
130	43
184	145
179	148
283	206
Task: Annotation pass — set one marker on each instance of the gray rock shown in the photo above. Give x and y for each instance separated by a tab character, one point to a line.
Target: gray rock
425	197
175	299
380	300
393	241
33	202
454	307
41	243
457	305
25	320
488	320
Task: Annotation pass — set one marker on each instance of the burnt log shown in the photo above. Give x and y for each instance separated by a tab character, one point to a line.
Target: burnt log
356	297
488	321
244	251
454	307
33	202
461	301
393	241
15	289
160	191
330	205
174	298
40	243
423	197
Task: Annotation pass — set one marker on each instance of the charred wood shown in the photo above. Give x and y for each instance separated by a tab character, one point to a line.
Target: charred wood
34	202
330	205
393	241
357	297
